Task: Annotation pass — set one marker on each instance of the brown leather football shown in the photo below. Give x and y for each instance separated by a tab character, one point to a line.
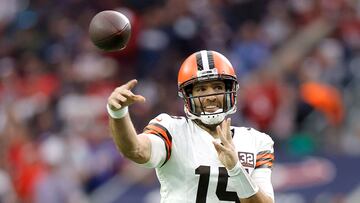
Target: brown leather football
110	30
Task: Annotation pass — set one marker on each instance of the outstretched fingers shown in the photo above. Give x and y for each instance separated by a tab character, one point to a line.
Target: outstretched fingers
123	96
114	104
218	147
131	84
224	132
120	97
139	98
228	130
220	131
132	96
226	149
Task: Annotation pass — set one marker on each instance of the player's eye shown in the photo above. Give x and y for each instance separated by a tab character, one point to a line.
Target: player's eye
200	89
219	87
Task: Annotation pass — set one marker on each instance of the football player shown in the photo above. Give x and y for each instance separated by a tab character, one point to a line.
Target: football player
201	157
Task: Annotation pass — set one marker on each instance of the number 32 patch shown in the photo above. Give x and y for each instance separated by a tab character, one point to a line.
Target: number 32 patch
247	159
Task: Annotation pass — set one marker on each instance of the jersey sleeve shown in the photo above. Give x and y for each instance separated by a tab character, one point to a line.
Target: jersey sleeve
262	177
265	152
158	152
264	164
159	126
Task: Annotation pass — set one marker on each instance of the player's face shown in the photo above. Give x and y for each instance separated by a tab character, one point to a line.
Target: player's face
212	102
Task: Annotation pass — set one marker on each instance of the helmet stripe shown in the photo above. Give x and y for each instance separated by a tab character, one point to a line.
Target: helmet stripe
204	59
211	60
199	61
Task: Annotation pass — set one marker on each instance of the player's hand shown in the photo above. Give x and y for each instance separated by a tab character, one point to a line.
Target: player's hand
122	96
226	149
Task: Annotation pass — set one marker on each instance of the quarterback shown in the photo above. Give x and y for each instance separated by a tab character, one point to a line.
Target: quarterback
199	158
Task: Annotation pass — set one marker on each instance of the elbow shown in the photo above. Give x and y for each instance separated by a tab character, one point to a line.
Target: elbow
136	156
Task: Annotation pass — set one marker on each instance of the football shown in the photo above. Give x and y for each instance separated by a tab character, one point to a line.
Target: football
110	30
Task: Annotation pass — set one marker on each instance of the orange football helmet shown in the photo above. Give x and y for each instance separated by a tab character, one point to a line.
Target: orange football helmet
206	66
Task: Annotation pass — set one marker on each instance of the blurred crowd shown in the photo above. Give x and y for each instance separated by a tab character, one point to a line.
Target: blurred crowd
296	61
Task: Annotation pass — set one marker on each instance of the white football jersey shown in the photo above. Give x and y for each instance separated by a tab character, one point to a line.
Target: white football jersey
191	171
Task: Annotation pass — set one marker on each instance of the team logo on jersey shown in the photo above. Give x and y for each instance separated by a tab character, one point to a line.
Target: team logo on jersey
246	159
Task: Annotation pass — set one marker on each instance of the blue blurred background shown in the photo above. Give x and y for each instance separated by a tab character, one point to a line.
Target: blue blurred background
297	63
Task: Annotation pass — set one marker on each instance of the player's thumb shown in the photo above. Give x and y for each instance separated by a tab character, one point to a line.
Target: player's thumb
131	84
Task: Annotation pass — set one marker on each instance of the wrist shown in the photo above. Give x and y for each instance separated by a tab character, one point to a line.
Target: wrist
241	181
118	113
235	170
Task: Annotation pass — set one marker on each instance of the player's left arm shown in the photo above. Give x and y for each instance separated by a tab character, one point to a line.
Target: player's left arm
248	189
262	178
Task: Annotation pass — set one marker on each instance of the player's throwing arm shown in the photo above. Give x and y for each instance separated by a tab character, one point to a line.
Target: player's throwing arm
136	148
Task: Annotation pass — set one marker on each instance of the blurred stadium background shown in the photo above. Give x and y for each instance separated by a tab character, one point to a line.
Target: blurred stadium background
297	63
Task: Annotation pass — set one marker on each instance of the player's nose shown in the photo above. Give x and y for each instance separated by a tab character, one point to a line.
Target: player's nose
211	95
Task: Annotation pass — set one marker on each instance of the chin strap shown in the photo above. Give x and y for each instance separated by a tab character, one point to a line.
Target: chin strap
210	119
213	119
